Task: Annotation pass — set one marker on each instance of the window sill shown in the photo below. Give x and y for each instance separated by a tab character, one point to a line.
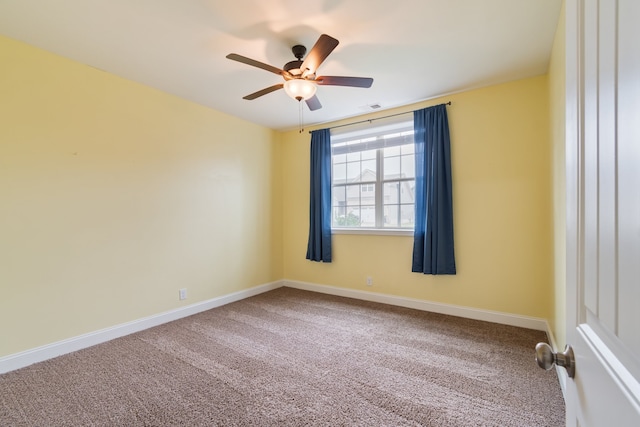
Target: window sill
373	231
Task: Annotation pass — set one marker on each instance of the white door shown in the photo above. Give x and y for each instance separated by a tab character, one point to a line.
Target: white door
603	211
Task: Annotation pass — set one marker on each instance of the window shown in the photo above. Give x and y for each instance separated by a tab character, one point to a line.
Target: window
373	177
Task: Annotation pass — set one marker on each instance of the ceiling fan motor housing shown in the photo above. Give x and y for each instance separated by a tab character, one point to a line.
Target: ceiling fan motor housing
293	67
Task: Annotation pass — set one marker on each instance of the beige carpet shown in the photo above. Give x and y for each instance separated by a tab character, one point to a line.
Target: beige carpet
295	358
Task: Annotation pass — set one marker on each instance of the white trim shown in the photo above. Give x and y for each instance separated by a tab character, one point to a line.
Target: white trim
374	231
452	310
49	351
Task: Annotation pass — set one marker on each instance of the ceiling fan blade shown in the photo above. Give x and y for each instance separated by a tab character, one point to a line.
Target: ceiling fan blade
254	63
313	103
344	81
263	91
319	52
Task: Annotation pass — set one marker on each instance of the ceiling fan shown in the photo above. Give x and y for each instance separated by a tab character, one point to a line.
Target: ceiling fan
300	75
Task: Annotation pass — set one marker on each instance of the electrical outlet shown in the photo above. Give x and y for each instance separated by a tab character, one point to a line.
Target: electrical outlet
183	293
369	281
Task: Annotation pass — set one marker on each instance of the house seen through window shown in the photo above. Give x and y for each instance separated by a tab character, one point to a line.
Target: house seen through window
373	176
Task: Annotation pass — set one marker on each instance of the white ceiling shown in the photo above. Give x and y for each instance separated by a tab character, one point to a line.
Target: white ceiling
413	49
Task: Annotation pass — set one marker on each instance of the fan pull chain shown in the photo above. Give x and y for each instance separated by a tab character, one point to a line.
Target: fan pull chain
300	116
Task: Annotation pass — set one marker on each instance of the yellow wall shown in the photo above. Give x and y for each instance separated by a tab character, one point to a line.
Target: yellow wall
115	195
557	120
502	211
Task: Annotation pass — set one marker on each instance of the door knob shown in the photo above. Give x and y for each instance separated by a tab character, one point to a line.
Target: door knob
546	358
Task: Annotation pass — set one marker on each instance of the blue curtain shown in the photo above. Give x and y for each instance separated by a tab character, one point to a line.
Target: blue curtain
433	251
319	247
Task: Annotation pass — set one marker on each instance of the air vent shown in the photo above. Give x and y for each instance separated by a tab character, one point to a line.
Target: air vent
371	107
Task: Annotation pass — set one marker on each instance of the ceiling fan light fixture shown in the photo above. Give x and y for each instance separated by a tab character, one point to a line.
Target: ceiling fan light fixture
300	75
300	89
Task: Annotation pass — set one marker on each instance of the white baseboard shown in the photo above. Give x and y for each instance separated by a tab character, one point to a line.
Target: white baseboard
453	310
49	351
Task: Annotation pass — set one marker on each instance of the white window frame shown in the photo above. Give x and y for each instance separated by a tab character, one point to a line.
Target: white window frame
369	136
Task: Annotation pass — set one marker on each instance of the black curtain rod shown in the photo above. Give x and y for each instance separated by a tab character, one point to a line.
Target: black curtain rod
377	118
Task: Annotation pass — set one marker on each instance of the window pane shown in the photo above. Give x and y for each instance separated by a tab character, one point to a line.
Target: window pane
351	157
390	195
353	195
368	194
407	216
407	192
345	219
391	151
408	166
368	217
339	158
370	166
368	188
338	203
338	196
391	167
391	216
339	173
369	154
353	171
407	148
337	216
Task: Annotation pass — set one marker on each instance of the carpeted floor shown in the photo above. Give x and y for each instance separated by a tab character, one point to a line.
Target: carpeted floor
295	358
